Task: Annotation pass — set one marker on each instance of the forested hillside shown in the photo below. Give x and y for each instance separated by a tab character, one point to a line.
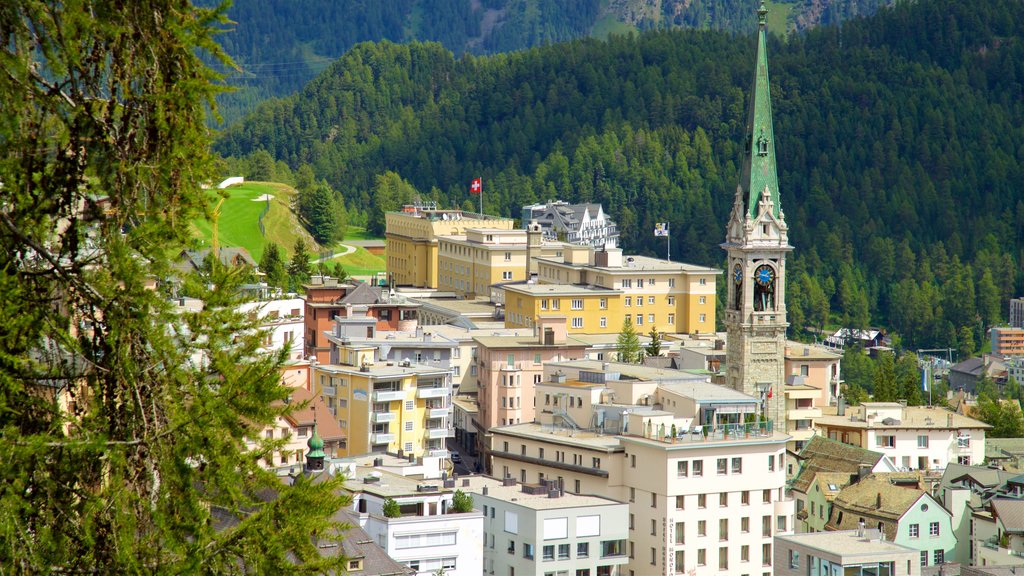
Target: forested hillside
280	45
900	144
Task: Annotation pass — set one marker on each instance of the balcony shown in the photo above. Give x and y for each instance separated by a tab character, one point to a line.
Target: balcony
388	395
382	438
439	412
382	417
329	390
803	413
433	433
720	432
431	392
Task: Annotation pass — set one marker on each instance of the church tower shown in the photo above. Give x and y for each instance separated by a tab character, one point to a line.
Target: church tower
757	242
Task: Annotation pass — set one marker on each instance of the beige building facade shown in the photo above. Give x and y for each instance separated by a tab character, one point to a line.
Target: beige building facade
697	506
673	296
470	264
413	235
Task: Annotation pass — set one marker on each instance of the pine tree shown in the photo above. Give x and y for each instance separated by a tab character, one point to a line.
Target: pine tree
628	343
299	268
272	265
885	379
121	453
654	347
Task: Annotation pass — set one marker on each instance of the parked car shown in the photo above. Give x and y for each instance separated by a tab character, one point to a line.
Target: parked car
456	458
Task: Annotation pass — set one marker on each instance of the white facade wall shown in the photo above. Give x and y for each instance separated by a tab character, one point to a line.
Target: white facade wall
428	543
942	448
656	491
283	319
517	535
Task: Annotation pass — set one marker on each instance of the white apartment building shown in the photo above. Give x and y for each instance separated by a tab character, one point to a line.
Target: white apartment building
283	320
845	552
913	437
428	535
584	224
538	529
708	501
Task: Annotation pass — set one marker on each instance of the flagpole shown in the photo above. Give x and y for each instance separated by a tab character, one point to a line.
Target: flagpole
668	241
481	197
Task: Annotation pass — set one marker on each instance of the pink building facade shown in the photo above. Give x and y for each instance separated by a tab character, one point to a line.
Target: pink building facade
511	366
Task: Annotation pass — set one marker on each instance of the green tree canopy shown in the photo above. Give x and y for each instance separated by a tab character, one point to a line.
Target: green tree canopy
299	268
627	346
121	453
272	265
654	346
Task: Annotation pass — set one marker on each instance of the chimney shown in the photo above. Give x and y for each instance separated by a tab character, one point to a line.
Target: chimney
878	501
862	471
841	409
534	241
377	462
860	529
485	491
949	420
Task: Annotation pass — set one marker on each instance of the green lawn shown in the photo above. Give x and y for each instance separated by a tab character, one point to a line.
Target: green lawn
361	262
609	25
239	219
359	233
778	16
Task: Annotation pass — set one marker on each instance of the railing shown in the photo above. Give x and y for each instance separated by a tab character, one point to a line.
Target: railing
438	433
388	395
381	438
329	390
431	392
438	412
382	417
717	432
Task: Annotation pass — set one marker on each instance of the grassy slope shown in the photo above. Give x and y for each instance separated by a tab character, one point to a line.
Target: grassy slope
239	226
778	16
239	219
608	25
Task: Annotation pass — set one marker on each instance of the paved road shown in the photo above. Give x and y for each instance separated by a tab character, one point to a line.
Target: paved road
347	250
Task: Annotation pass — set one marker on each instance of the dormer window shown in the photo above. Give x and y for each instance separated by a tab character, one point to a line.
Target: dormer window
762	146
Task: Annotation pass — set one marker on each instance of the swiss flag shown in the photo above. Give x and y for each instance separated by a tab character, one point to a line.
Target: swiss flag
476	186
769	391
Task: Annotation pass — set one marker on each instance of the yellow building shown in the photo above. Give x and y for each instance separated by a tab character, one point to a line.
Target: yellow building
469	264
586	309
412	240
389	406
673	296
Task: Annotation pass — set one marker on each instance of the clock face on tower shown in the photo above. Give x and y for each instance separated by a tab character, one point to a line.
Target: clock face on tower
764	275
737	274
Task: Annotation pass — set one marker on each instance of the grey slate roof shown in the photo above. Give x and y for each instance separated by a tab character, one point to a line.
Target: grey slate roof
1010	513
824	455
359	545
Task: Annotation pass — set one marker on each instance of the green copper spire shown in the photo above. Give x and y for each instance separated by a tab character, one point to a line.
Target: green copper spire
316	445
759	150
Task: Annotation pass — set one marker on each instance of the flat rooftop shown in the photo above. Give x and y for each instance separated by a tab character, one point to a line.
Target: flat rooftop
382	370
919	417
560	290
645	263
479	307
634	371
547	433
390	485
529	341
707	392
847	544
514	495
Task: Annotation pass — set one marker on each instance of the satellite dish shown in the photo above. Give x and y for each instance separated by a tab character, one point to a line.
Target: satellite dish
444	216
